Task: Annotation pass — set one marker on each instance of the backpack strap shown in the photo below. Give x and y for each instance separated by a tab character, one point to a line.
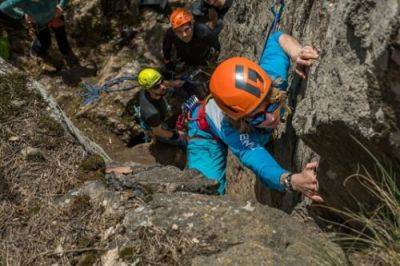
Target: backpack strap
202	122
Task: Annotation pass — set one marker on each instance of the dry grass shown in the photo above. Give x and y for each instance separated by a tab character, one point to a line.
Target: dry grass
374	234
32	226
156	246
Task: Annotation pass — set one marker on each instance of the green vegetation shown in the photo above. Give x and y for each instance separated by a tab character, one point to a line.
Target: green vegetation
377	233
92	163
92	168
127	253
87	259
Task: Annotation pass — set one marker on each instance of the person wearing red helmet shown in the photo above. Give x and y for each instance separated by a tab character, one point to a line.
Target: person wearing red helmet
246	103
194	42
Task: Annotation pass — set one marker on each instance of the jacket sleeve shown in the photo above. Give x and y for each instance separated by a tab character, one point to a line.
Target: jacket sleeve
9	7
167	45
63	3
252	154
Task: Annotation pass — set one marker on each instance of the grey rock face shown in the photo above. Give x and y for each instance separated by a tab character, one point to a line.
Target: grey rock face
236	226
352	91
215	230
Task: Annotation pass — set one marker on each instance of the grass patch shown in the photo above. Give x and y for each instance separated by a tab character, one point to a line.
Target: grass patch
51	126
93	163
374	234
154	245
92	168
79	205
126	253
12	91
88	259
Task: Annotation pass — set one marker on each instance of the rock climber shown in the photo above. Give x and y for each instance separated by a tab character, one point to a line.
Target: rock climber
41	17
246	103
154	107
211	13
194	43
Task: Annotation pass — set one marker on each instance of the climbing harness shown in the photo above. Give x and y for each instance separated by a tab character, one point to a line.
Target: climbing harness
277	10
186	116
187	107
92	92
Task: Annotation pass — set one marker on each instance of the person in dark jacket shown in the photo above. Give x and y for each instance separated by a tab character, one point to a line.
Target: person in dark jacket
154	108
194	43
41	17
211	13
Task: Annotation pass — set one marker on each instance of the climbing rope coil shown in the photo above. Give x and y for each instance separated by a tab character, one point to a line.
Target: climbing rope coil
92	92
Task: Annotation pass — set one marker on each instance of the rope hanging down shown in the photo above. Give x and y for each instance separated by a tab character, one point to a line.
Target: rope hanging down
92	92
277	10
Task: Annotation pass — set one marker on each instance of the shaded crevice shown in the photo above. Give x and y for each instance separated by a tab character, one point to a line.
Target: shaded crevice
355	43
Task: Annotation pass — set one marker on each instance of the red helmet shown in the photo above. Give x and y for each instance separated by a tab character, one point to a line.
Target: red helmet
238	86
179	17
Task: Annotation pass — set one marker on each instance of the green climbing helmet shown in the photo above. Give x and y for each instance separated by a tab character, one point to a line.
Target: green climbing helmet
149	77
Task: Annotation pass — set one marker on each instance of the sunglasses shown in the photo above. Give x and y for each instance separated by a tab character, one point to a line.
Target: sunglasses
260	117
157	85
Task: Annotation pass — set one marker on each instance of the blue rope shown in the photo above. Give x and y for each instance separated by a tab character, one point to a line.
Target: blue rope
277	18
92	92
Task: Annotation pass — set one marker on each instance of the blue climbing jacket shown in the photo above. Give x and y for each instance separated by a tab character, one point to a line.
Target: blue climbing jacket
207	150
42	11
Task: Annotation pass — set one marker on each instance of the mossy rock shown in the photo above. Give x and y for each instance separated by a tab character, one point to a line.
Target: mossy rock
126	253
93	163
88	259
93	175
79	205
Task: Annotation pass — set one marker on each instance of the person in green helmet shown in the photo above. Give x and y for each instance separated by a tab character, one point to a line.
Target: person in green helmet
154	108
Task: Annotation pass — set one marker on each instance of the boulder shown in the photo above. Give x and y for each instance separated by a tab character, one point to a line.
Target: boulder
352	92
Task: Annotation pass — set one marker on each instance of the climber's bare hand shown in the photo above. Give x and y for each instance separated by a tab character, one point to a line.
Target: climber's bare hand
306	182
306	58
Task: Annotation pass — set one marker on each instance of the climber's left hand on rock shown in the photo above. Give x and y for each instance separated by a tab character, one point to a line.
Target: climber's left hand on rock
306	58
306	182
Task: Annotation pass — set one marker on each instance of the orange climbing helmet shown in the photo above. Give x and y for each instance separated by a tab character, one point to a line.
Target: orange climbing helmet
238	86
179	17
